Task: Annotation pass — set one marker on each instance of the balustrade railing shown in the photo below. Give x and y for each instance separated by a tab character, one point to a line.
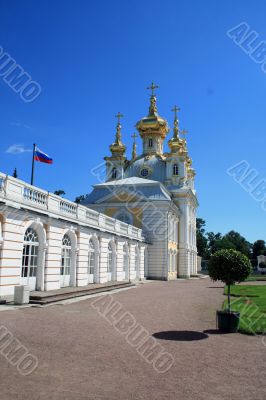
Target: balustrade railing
67	207
31	196
35	196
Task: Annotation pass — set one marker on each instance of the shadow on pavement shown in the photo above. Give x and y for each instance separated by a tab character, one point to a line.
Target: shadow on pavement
215	287
183	336
214	332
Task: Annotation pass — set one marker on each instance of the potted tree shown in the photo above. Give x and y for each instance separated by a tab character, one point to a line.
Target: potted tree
229	266
262	265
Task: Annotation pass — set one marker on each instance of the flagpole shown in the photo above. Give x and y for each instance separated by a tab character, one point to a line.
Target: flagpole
32	166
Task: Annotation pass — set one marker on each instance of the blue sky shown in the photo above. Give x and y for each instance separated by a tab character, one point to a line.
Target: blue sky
95	58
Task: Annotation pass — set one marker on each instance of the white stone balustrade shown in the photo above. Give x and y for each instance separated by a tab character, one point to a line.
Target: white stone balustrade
14	190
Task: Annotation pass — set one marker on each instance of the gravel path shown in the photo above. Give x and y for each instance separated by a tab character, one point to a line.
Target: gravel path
82	356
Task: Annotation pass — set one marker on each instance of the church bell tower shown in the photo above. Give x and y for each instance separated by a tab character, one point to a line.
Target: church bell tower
116	163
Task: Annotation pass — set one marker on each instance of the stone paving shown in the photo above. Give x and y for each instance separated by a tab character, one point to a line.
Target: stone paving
83	356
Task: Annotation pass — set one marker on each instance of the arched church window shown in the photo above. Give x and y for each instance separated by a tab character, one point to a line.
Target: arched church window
124	217
65	256
30	254
150	142
91	258
109	258
175	169
114	173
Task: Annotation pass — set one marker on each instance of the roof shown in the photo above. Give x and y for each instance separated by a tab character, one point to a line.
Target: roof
155	164
137	189
127	181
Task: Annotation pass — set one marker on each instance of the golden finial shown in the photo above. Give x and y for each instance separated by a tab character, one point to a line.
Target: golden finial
175	110
118	129
153	106
134	150
119	116
152	88
118	148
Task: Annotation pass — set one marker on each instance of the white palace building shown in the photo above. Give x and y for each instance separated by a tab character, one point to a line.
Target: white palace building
139	223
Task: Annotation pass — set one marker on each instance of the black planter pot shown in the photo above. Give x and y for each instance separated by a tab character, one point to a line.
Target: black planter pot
228	321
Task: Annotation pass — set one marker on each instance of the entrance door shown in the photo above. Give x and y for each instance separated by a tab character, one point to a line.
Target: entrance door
65	262
30	259
65	276
110	263
91	263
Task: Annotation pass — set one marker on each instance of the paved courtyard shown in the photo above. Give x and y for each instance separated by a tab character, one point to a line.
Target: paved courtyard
82	356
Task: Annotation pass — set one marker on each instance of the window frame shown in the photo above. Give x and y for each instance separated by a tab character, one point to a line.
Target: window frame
175	169
30	254
91	258
66	255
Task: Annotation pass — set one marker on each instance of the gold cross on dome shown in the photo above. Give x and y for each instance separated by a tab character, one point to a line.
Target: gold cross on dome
175	110
134	136
152	88
119	116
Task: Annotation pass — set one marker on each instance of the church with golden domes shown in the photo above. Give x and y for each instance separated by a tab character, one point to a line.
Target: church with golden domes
153	191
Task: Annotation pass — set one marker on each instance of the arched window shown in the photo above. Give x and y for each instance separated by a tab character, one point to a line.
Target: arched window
30	254
150	142
91	259
65	256
125	257
124	217
109	258
175	169
114	173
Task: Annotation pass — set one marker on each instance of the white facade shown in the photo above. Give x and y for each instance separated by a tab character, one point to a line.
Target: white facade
48	242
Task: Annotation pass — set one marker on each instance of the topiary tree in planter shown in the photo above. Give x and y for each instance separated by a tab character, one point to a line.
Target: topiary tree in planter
229	266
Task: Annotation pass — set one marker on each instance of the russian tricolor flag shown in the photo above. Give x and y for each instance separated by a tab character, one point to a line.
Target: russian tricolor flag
42	157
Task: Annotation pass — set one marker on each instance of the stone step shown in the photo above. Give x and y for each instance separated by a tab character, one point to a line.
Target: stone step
43	299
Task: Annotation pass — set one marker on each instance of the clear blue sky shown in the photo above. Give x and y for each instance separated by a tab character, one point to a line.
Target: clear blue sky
94	58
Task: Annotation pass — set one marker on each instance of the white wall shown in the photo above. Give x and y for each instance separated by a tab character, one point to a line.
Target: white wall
13	226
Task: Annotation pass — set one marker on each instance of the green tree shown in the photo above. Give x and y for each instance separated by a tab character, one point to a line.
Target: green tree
59	192
201	238
80	198
229	266
213	242
15	173
237	242
258	248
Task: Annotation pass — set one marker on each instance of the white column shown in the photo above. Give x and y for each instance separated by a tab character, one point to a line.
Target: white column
184	266
53	257
11	252
141	261
132	261
82	259
103	246
120	274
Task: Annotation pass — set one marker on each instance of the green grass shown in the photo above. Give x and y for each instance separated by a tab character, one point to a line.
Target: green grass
253	278
250	301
